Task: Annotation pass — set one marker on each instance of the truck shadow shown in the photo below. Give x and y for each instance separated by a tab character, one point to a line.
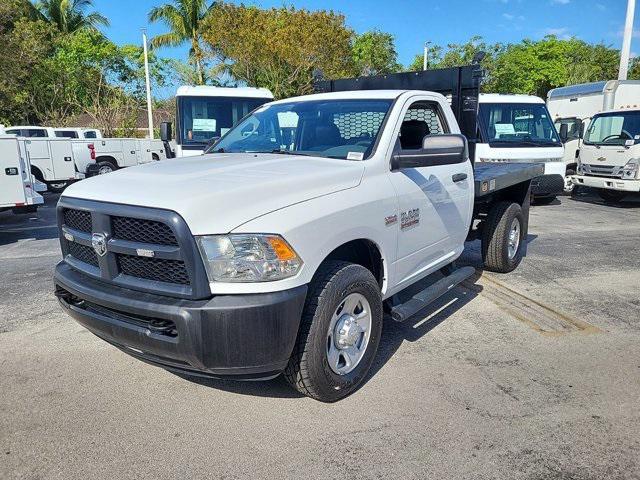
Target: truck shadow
393	336
630	201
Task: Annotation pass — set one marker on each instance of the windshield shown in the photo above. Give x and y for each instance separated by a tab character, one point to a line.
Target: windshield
620	128
517	125
345	129
202	118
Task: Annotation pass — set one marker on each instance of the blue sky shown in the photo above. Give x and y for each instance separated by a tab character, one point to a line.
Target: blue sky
415	21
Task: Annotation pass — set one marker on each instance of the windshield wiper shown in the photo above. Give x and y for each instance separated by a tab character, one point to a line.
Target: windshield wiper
287	152
530	143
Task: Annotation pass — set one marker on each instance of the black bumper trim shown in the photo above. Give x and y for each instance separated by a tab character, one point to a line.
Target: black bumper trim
239	336
547	185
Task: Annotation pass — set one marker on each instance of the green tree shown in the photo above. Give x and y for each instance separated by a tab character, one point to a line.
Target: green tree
279	48
71	15
184	19
374	53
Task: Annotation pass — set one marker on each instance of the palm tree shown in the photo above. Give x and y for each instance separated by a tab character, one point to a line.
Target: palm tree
70	15
184	19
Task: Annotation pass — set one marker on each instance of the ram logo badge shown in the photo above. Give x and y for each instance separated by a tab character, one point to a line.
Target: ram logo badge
99	244
409	219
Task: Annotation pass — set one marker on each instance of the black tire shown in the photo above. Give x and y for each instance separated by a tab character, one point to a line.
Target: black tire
57	187
308	370
103	166
543	200
495	238
611	196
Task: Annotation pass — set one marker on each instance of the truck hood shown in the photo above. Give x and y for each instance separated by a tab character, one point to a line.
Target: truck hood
610	155
219	192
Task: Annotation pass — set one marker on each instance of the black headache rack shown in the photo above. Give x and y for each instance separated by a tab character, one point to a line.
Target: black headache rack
461	85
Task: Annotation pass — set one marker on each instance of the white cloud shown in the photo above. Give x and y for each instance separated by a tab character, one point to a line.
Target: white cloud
561	2
561	32
511	17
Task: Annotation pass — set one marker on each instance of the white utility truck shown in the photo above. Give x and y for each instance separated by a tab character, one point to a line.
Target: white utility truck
518	128
278	251
572	108
85	133
17	191
609	159
204	114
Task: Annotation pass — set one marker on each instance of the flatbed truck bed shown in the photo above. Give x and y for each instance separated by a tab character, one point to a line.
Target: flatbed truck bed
490	178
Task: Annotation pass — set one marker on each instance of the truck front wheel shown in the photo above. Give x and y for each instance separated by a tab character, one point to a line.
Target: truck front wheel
503	237
339	332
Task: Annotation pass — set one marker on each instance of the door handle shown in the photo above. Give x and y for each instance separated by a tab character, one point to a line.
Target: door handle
458	177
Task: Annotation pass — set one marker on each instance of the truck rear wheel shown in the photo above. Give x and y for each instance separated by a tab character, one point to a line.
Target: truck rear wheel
339	333
611	196
503	237
105	167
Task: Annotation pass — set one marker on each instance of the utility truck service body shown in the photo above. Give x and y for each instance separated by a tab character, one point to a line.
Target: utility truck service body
206	113
278	250
17	191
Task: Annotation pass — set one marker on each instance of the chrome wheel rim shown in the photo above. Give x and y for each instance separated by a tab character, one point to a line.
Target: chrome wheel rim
514	238
104	170
348	335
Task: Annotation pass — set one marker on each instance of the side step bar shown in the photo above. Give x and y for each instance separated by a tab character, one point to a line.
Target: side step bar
420	300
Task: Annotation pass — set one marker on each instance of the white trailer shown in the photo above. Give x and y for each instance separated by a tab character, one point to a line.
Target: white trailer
572	108
206	113
16	183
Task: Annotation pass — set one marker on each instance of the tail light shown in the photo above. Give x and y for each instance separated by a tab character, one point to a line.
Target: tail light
92	150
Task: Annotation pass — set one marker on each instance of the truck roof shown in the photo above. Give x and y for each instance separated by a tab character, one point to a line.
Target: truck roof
355	94
207	91
508	98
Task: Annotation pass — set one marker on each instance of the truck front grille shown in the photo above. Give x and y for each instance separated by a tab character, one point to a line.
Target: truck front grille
602	170
146	249
83	253
77	219
143	231
158	269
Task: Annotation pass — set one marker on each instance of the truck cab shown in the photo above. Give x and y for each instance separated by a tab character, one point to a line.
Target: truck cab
518	128
205	113
609	158
81	133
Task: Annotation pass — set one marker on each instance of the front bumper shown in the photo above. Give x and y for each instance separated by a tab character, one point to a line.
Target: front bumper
607	183
239	336
547	185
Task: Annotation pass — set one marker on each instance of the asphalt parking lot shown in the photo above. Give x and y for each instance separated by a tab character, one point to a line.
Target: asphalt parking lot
531	375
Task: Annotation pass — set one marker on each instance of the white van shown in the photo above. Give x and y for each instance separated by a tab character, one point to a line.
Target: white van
16	183
518	128
206	113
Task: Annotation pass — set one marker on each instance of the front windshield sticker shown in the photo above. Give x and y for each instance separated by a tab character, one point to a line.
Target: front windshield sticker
504	129
355	156
204	124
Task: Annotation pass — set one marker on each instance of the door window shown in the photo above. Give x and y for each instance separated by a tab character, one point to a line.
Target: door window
421	119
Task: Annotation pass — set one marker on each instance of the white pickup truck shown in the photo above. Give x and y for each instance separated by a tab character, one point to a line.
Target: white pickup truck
279	251
17	190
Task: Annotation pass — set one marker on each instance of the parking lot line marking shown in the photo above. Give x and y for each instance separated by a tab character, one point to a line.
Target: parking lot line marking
538	316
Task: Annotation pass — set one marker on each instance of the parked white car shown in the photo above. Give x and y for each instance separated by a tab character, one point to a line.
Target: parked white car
17	190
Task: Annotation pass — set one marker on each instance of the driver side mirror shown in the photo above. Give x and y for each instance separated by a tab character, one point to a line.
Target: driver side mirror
436	150
564	132
166	134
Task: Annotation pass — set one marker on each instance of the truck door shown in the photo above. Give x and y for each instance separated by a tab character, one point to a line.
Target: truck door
40	156
435	203
62	159
11	173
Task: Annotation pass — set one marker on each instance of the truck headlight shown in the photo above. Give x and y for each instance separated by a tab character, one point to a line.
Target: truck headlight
248	258
630	170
